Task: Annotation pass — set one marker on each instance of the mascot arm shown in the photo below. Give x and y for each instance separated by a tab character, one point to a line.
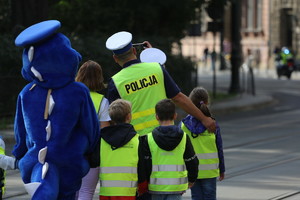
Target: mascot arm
20	133
90	123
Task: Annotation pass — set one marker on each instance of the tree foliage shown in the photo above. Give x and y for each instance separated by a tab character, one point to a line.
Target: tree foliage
88	23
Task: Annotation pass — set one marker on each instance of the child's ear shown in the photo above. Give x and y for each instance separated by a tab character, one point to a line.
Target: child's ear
128	118
157	118
175	116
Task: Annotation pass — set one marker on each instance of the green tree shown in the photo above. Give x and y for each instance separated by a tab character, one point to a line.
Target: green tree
89	23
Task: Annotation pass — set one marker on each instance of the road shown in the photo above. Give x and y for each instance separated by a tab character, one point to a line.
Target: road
261	146
262	152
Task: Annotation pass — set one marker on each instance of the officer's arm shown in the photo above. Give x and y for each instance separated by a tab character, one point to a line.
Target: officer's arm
187	105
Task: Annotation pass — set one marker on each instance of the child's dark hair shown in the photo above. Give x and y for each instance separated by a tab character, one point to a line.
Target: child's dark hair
165	110
118	110
199	97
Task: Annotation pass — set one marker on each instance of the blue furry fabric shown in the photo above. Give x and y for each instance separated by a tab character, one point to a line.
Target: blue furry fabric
69	131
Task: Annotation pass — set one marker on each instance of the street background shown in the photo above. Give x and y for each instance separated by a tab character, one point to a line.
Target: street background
261	137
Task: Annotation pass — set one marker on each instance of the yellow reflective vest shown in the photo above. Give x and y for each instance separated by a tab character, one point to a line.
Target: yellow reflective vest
96	98
143	85
118	169
169	174
206	150
2	179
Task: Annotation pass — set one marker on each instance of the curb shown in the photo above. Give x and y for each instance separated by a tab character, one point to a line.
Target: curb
242	103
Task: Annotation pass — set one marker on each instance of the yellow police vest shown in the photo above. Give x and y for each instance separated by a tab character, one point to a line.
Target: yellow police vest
118	169
143	85
96	98
206	150
169	174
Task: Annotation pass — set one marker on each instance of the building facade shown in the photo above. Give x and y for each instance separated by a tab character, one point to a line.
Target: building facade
285	25
256	29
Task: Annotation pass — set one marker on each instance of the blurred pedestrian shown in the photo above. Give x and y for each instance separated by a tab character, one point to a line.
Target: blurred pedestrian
208	148
90	73
205	55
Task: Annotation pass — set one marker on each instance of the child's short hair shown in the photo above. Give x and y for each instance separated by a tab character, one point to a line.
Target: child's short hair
199	97
165	110
118	110
90	74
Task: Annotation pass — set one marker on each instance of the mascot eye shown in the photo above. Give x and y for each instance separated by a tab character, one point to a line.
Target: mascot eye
30	53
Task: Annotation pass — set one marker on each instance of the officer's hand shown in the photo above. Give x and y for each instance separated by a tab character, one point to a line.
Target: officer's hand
147	44
210	124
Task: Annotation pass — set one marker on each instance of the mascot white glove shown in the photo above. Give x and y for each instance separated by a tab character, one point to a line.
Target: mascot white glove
7	162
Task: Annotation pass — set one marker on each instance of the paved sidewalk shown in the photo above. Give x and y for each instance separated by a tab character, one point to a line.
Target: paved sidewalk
14	186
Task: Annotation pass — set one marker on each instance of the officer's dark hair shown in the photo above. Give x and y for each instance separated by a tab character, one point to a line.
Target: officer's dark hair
118	110
199	97
124	56
165	110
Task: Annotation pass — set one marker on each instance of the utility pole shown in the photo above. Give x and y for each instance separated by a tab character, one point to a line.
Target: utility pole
215	10
236	48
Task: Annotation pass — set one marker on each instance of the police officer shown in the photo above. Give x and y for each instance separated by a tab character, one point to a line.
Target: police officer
144	84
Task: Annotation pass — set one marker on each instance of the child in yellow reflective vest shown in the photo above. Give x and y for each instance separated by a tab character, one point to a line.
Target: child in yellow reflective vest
208	148
6	162
120	156
172	165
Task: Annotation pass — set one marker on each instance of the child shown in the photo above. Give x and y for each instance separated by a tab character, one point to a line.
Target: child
6	162
174	165
119	156
90	73
208	147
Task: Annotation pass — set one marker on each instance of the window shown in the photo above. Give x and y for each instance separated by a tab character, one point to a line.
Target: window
252	15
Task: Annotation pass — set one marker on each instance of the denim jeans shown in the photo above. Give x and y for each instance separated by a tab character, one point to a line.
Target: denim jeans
166	196
204	189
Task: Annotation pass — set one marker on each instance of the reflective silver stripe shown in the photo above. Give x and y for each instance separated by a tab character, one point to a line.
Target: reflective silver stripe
168	168
208	166
168	181
130	170
207	155
118	183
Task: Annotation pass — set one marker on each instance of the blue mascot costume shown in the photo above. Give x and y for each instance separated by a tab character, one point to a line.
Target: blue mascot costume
56	125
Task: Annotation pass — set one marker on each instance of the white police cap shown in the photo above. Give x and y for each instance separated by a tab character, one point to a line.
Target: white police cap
153	55
119	42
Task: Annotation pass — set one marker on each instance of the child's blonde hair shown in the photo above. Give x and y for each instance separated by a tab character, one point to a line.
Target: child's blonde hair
118	110
200	98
